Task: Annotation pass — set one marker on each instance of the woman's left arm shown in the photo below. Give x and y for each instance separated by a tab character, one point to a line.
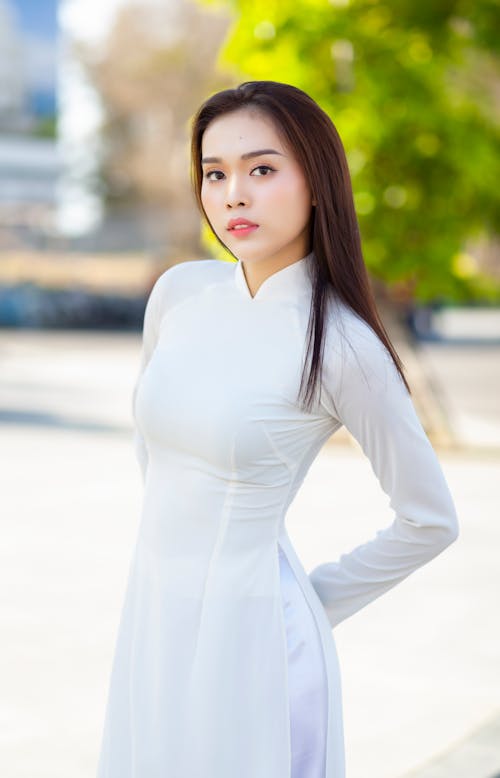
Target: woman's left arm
365	392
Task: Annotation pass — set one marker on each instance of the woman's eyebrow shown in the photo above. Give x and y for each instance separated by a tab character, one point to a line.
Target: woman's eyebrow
248	155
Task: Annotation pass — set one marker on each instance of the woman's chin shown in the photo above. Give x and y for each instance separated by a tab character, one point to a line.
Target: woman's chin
246	252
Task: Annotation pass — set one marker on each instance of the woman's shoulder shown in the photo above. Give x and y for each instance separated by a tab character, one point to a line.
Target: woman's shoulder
346	327
194	271
354	352
188	277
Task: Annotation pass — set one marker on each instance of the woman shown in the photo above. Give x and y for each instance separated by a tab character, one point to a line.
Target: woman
225	662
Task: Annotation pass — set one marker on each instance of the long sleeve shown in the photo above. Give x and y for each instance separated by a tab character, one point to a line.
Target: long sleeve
150	332
364	391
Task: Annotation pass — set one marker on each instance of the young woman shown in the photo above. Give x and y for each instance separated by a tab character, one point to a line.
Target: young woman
225	662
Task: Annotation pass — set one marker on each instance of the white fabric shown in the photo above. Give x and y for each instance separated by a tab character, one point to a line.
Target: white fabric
200	684
307	682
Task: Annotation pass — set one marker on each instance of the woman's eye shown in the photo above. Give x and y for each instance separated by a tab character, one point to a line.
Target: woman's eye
263	167
211	172
217	175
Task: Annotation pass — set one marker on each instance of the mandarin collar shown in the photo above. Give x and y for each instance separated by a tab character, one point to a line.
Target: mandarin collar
288	283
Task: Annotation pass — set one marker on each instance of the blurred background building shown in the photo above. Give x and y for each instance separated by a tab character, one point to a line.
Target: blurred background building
29	158
94	157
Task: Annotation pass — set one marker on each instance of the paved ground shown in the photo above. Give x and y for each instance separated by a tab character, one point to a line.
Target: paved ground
476	754
466	381
421	666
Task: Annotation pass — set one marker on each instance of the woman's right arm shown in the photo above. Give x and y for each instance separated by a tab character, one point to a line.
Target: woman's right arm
150	331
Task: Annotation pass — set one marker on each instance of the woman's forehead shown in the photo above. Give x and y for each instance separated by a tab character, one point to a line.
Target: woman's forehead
240	128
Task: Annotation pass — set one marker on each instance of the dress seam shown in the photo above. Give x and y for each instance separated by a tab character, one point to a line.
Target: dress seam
226	509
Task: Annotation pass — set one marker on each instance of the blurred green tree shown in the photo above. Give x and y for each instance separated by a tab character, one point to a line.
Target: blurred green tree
413	91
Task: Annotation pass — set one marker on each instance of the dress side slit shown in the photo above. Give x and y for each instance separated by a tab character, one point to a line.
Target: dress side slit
307	680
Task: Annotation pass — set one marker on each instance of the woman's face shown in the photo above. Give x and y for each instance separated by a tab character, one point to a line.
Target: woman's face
248	174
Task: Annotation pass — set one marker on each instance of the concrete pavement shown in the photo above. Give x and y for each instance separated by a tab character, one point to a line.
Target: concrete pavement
421	665
466	383
476	754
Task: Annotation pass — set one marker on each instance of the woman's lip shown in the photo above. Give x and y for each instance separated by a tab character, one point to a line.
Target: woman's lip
243	230
237	224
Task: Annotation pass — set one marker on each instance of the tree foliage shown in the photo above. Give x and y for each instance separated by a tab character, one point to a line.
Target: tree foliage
412	89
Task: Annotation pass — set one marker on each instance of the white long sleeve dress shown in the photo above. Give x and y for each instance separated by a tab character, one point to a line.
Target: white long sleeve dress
225	662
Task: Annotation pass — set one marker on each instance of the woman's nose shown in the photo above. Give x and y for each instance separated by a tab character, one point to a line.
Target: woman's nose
234	194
